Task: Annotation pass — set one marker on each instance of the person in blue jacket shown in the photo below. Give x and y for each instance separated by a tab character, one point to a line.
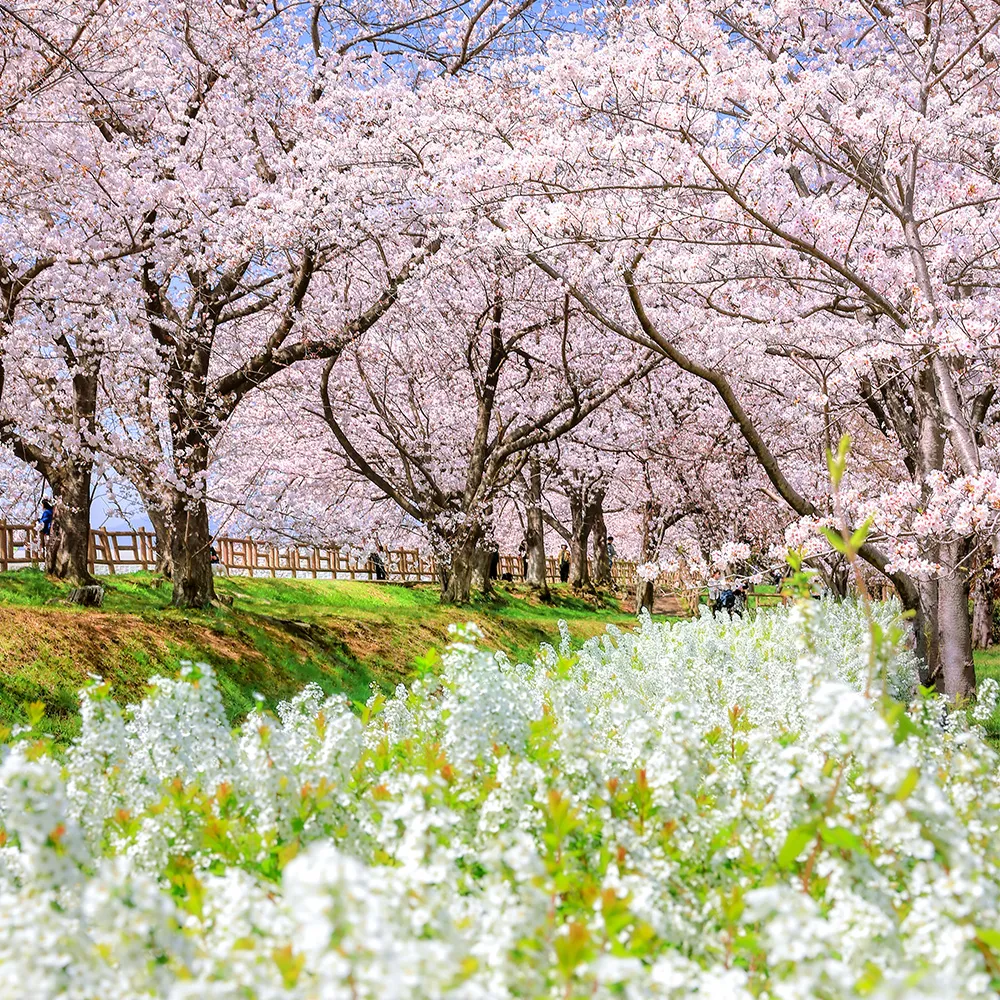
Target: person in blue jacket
45	520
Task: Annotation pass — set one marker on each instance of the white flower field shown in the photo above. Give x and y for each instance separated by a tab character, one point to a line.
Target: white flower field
765	808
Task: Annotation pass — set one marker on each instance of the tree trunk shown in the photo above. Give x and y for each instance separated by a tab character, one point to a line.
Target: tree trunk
927	620
602	561
537	563
983	596
579	567
190	553
161	528
924	620
957	670
482	556
941	622
456	581
645	589
534	536
643	595
835	572
584	511
68	548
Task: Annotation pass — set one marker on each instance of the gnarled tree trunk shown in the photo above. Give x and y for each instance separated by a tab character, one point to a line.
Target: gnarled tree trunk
482	557
644	592
191	553
457	568
645	589
67	551
584	509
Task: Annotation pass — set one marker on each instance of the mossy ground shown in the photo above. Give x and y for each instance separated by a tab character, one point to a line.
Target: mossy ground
278	635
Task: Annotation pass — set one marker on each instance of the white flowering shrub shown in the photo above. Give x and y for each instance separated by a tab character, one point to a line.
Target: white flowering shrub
703	809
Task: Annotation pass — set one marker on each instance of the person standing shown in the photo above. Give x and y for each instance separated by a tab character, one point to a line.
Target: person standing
45	522
563	564
522	554
378	563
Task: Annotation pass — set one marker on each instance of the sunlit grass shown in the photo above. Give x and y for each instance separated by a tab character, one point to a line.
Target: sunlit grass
277	636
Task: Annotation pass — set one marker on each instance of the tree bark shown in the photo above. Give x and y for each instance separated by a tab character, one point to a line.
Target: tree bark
164	544
537	561
456	578
579	566
983	597
191	553
482	556
68	549
645	589
954	628
584	506
644	595
534	536
602	561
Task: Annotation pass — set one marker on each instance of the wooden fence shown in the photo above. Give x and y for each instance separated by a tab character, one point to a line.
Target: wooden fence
113	552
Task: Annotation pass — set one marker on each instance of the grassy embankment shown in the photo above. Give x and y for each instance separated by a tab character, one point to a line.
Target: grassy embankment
277	636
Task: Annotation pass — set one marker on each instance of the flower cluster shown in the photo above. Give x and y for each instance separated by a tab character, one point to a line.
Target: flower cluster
705	808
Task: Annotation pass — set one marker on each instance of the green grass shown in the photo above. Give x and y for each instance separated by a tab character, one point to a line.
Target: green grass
277	636
988	665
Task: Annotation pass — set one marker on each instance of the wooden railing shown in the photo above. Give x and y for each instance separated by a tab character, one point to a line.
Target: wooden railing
113	552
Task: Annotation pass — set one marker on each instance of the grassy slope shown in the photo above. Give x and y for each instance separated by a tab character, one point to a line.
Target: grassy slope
277	636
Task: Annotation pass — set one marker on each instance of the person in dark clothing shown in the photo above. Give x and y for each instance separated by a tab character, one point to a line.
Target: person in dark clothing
522	553
495	563
378	563
214	555
563	564
45	519
732	599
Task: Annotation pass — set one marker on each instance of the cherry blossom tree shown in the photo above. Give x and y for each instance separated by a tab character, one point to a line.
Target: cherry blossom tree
767	187
443	408
59	251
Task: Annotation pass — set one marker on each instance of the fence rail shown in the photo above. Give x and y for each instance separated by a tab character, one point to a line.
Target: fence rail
114	552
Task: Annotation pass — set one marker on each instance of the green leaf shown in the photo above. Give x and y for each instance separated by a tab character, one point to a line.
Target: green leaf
861	534
869	980
840	836
904	728
835	539
795	843
837	464
990	937
908	784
